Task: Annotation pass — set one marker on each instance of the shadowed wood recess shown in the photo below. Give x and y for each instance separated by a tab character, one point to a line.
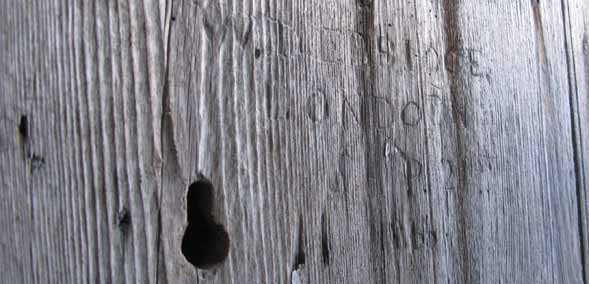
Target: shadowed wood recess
294	141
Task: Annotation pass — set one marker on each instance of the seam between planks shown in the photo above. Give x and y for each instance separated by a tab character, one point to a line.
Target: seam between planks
577	138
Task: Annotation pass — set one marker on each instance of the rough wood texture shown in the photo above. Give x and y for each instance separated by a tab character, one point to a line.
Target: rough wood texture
348	141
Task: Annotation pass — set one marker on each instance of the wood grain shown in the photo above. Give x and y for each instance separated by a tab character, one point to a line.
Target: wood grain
577	45
350	141
81	188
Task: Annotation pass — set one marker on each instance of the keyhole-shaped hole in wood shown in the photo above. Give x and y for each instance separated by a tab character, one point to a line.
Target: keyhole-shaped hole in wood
205	243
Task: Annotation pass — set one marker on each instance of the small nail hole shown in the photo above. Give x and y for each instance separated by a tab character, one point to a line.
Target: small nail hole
205	243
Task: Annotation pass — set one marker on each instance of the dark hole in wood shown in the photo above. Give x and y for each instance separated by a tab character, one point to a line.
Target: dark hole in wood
299	260
257	53
324	240
123	218
205	242
23	127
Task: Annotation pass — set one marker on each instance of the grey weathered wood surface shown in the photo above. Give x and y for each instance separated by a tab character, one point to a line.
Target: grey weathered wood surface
350	141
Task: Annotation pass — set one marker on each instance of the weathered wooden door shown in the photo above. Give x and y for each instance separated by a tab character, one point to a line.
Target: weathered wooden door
326	141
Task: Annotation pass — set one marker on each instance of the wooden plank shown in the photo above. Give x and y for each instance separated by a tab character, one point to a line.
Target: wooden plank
323	143
516	169
81	105
577	13
348	141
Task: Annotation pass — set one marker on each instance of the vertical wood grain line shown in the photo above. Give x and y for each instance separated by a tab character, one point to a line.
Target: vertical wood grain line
577	137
